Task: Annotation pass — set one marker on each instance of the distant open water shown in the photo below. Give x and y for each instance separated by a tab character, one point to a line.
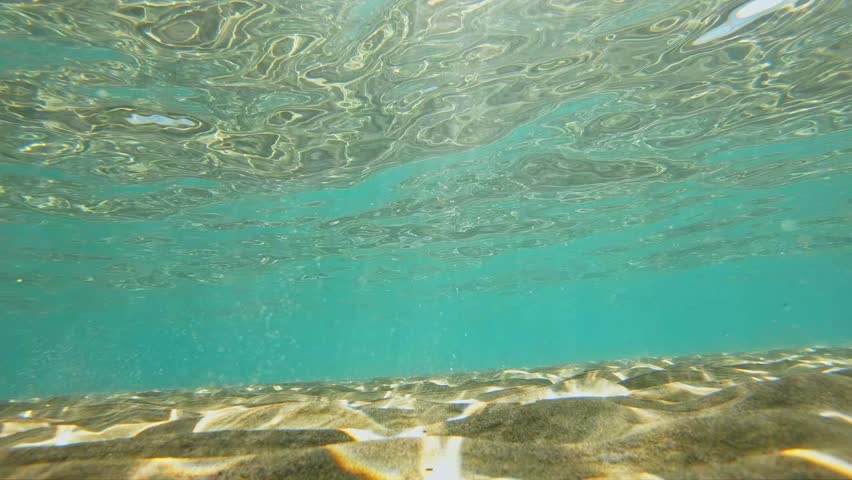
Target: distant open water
232	192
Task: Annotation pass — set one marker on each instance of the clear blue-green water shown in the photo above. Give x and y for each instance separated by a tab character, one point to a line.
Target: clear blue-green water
231	192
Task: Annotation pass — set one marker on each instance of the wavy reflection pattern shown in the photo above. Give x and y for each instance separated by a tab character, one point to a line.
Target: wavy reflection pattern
287	136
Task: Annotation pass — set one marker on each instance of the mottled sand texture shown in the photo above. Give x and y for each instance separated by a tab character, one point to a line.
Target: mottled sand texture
779	414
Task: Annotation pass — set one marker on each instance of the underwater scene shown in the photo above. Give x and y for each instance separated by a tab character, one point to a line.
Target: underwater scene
426	239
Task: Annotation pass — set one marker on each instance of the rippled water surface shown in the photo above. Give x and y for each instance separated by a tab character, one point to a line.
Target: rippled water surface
216	192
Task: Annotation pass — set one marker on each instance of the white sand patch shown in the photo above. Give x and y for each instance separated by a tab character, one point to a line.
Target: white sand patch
837	416
169	467
472	409
441	458
824	460
11	428
592	388
71	434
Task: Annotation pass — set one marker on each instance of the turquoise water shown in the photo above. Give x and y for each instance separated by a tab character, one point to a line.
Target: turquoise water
230	192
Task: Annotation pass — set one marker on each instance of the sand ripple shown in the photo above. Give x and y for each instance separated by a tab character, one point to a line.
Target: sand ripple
779	414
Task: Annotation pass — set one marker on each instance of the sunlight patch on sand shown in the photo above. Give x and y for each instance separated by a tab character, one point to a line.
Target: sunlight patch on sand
169	467
829	462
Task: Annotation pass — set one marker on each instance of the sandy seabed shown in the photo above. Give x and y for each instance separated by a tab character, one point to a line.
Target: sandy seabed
776	415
